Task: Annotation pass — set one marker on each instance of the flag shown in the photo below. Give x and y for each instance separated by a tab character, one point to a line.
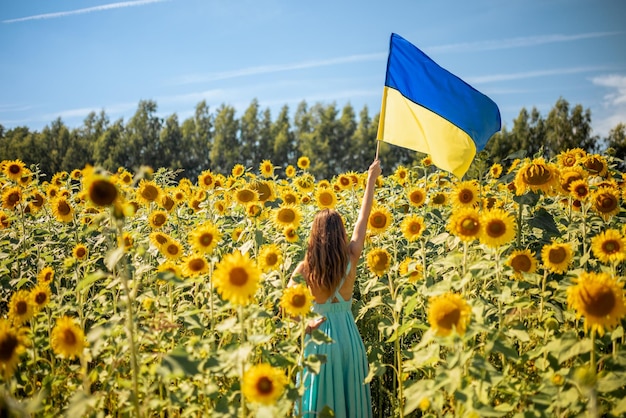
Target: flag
428	109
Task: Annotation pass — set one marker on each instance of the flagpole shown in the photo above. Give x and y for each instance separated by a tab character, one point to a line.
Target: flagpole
377	148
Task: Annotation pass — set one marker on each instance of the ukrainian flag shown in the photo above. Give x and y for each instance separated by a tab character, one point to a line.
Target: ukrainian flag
428	109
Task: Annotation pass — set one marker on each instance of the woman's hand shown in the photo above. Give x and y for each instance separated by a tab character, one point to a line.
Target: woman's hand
375	169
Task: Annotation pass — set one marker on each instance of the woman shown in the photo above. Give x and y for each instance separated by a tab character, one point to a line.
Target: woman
329	269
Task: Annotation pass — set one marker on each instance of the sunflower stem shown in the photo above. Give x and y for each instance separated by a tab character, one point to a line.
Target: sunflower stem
243	361
543	290
593	399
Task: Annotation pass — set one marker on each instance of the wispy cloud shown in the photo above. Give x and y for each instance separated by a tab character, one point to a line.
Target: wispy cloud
520	42
101	8
267	69
614	102
531	74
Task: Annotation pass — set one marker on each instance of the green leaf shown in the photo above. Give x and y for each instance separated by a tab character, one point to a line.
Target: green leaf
320	337
113	257
313	362
90	279
376	369
543	220
620	408
611	381
177	362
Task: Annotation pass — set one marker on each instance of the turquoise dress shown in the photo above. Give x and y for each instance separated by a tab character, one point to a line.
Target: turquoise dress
339	383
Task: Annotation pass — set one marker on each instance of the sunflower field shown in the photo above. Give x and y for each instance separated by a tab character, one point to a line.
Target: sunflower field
136	294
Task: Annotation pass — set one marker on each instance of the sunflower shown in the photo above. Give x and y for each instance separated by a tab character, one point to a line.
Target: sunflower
448	312
465	194
157	219
21	307
522	261
290	171
263	384
236	278
238	170
571	157
291	234
465	224
100	190
605	202
206	179
412	268
536	175
5	220
427	161
36	200
220	206
401	175
195	265
167	202
159	239
246	195
495	171
417	196
11	197
556	257
67	338
14	169
297	300
412	227
598	297
498	227
124	177
379	220
378	261
304	163
287	215
305	183
40	295
325	198
126	241
170	267
439	199
148	191
570	175
609	246
179	195
266	168
171	249
13	343
289	196
62	209
270	257
46	275
595	164
80	252
204	238
579	189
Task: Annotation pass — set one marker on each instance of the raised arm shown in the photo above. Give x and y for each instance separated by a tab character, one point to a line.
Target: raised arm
360	227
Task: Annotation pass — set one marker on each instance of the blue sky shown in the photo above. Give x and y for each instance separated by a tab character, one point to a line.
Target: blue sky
67	58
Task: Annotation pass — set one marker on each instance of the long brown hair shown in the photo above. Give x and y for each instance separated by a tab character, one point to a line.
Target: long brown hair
326	258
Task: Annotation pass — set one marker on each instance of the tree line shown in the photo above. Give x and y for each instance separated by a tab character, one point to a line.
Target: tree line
335	140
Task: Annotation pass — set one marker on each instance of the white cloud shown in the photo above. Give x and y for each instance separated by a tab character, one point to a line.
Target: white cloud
614	104
101	8
531	74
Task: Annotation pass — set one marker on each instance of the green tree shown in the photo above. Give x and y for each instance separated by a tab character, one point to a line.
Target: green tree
249	135
197	141
567	129
225	153
616	142
109	151
141	137
284	148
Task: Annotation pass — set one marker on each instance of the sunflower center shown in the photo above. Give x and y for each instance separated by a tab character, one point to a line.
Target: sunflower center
439	199
298	301
7	347
449	319
521	263
206	239
197	264
599	301
41	298
102	192
417	198
496	228
326	199
379	220
469	225
606	203
159	219
160	239
64	208
69	337
415	227
238	276
610	246
14	169
582	190
557	255
466	196
286	216
264	385
21	307
150	193
271	259
594	165
172	249
569	161
80	252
